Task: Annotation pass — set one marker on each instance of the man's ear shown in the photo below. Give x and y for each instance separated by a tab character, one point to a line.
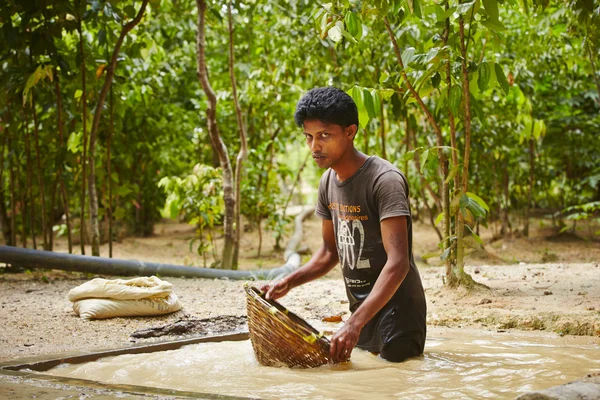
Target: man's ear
351	131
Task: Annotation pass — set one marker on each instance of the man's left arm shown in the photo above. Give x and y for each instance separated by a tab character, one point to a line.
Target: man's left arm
394	233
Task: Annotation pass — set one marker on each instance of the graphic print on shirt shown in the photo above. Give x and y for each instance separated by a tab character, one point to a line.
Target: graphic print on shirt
351	239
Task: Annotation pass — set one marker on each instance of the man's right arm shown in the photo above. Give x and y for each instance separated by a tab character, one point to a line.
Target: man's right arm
323	261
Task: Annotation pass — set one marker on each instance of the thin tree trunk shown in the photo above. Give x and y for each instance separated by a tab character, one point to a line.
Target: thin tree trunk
59	178
5	225
22	190
271	150
67	215
30	183
110	73
531	179
221	149
40	175
382	132
109	172
591	57
505	220
451	259
84	122
408	141
459	275
407	82
243	154
287	202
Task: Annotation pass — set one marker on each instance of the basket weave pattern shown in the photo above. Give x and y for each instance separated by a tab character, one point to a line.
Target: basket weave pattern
280	337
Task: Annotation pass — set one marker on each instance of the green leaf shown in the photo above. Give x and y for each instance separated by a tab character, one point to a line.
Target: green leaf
101	37
431	54
386	94
123	191
479	201
475	208
376	102
353	25
74	142
415	7
464	201
369	104
408	156
501	78
119	213
424	158
357	95
408	55
495	26
446	253
474	235
174	208
383	77
432	254
436	79
455	98
484	76
491	7
439	218
451	174
130	11
465	7
335	33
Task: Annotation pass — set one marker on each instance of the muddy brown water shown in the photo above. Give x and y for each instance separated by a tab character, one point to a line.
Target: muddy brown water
456	364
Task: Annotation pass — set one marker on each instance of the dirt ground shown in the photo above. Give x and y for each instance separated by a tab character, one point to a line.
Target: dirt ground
525	292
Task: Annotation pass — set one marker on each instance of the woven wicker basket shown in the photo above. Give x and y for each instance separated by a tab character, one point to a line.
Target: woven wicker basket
280	337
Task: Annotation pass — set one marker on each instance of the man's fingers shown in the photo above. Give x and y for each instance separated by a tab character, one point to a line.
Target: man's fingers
332	350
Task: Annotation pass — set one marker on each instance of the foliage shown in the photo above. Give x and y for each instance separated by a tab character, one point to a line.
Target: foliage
532	70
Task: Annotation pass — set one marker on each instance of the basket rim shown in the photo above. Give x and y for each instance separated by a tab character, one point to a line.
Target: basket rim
287	318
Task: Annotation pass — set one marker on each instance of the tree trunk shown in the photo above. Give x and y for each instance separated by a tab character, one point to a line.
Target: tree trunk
459	276
243	154
382	132
111	128
30	183
59	178
5	225
407	82
110	73
84	123
505	220
531	179
22	190
217	142
40	176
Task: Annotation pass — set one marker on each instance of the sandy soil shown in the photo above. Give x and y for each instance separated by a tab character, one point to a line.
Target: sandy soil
561	297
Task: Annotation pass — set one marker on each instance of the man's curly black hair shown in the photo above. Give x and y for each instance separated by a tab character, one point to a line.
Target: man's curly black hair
327	104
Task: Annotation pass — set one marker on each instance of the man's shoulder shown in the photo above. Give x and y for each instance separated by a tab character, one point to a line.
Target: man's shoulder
383	169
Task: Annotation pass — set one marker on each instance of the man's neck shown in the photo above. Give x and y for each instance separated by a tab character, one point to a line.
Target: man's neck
349	165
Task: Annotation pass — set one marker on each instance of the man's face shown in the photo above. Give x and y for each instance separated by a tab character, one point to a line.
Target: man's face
328	143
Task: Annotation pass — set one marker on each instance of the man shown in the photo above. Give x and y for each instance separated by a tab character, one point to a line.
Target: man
367	228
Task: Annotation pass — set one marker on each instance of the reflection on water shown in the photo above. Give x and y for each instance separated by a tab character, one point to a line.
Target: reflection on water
455	365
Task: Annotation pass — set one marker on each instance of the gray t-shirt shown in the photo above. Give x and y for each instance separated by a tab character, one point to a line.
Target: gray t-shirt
377	191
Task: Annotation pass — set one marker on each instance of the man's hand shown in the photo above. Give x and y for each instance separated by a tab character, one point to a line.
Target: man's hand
344	341
276	290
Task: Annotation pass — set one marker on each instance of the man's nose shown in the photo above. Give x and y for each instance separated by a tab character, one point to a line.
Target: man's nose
314	146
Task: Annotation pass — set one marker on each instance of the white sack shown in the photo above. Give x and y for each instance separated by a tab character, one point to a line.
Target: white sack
108	308
123	289
103	298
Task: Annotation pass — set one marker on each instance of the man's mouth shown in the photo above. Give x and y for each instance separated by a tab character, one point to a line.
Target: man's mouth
318	157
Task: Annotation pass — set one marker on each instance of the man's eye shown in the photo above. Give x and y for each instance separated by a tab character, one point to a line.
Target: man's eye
324	135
